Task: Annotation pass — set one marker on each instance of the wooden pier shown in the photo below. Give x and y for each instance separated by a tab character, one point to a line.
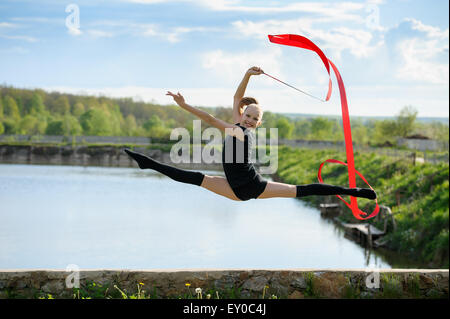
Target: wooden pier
330	210
364	233
368	234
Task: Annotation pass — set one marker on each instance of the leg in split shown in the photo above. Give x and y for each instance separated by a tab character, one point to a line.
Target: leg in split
274	189
216	184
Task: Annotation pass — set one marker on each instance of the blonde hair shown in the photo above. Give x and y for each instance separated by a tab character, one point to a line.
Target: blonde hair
256	106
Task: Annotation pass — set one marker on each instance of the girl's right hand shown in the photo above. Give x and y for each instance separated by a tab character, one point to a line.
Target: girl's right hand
255	71
178	98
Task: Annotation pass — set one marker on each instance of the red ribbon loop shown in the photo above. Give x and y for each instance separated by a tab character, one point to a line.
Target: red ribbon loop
302	42
359	212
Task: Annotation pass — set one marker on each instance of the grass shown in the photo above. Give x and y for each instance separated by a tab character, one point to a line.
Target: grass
417	195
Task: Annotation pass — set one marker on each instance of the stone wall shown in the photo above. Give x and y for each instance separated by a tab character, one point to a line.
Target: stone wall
238	283
423	144
76	139
113	156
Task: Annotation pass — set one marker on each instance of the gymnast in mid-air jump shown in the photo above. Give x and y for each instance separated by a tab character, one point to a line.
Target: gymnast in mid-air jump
241	182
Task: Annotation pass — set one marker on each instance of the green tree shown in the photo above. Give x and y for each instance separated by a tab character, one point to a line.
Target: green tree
10	126
41	124
405	121
71	126
337	131
384	132
302	128
28	125
55	128
360	135
78	109
91	103
155	127
11	110
61	105
321	128
37	104
1	108
439	131
172	123
115	118
285	127
153	122
130	125
95	122
2	128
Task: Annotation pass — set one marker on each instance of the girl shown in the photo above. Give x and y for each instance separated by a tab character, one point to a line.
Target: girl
242	181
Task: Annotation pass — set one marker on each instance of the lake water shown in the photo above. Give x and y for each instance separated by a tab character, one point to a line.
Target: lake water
102	217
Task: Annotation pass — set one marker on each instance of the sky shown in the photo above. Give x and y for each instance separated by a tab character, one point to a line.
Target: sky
390	53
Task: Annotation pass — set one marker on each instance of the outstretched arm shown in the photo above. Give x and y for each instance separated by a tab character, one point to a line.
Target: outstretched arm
228	128
240	91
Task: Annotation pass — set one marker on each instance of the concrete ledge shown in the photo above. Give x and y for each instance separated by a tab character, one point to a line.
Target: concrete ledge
227	283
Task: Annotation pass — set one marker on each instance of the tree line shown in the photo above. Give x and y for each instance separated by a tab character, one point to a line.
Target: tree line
37	112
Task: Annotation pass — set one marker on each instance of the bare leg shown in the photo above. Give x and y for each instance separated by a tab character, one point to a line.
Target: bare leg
219	185
274	189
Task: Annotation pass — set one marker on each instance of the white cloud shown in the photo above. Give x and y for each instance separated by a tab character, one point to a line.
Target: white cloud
115	28
232	65
431	32
337	39
421	54
100	34
417	55
74	31
341	9
38	19
171	36
7	25
20	37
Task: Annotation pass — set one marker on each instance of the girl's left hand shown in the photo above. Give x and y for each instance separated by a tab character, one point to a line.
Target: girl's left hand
178	98
255	70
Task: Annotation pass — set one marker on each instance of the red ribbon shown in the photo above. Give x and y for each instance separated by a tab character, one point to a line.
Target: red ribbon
302	42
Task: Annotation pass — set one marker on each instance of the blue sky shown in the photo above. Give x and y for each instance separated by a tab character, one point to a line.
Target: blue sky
389	53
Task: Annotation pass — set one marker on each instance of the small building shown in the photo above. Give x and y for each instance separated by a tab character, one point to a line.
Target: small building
422	143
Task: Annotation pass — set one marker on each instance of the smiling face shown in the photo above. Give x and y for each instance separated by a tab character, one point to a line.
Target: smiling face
252	116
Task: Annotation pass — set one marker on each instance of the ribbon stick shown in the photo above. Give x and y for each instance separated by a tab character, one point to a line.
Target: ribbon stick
270	76
304	43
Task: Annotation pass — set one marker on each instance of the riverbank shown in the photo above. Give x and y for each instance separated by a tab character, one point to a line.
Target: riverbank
416	193
226	284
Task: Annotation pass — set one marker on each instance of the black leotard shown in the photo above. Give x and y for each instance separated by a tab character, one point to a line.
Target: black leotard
239	170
